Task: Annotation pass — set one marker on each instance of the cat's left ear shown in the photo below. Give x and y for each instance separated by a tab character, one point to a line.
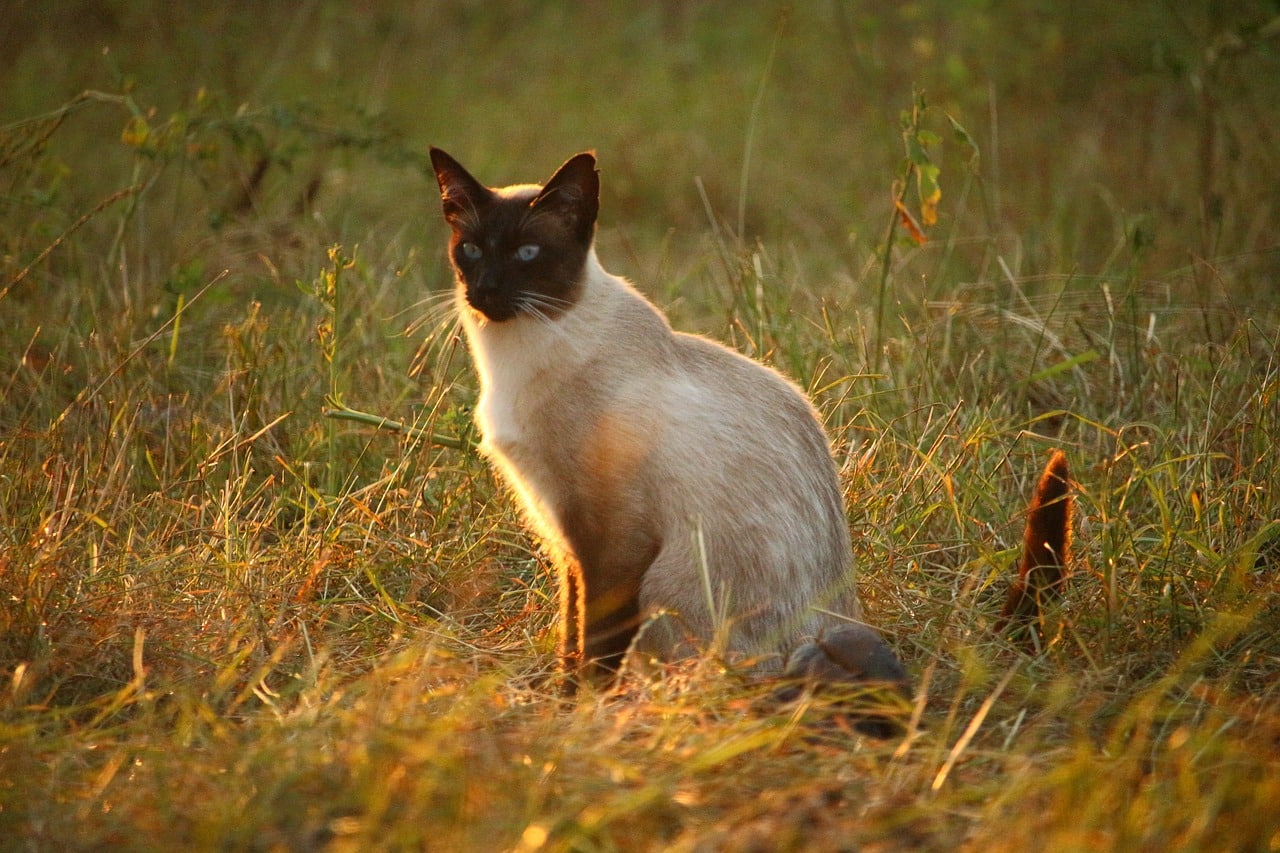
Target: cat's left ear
573	194
460	194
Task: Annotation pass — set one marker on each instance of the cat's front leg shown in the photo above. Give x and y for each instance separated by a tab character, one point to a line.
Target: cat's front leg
611	617
571	622
611	555
598	620
595	630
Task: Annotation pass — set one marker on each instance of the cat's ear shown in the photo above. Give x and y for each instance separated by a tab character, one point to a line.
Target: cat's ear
573	195
461	195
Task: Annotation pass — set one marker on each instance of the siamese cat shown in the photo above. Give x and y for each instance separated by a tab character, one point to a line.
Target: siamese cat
684	493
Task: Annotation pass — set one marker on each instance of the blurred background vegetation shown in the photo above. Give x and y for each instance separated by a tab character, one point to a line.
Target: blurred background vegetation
1095	122
159	144
1094	160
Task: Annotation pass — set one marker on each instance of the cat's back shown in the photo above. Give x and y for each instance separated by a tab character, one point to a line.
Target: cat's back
741	466
744	405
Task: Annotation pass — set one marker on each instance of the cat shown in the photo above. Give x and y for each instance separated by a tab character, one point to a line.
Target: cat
685	494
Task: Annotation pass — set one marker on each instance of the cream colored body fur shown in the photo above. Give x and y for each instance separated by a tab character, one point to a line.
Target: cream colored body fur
675	444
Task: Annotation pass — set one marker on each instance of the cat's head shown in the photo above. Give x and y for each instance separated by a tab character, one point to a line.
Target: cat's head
520	250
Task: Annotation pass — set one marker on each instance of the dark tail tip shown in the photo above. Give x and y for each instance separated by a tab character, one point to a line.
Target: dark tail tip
854	660
1046	549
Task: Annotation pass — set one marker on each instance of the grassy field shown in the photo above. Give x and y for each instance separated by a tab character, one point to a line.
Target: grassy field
230	622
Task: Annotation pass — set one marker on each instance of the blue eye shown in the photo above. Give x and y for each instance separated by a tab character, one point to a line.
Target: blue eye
528	252
471	251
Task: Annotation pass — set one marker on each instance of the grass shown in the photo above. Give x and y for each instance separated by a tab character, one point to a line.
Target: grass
229	622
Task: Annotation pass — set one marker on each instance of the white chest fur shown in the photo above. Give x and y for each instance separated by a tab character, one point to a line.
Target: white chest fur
507	359
522	362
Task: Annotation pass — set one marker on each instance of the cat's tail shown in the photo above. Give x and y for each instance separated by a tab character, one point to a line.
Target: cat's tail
856	658
1046	548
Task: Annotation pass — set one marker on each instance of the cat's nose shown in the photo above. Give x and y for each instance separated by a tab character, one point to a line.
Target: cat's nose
487	298
482	288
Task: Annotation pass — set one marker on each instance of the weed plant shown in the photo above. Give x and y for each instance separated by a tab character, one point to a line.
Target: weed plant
230	622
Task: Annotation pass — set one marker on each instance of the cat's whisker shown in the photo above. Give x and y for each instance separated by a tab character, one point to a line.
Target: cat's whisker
543	300
553	301
433	305
435	322
531	308
435	298
543	306
440	316
438	339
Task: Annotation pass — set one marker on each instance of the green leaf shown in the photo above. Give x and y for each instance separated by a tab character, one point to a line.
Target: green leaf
136	132
961	135
915	151
1063	366
929	190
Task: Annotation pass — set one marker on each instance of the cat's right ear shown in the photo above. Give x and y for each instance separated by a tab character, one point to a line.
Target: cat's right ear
573	194
461	195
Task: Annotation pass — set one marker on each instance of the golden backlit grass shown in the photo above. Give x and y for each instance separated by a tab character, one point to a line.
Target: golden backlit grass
228	622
